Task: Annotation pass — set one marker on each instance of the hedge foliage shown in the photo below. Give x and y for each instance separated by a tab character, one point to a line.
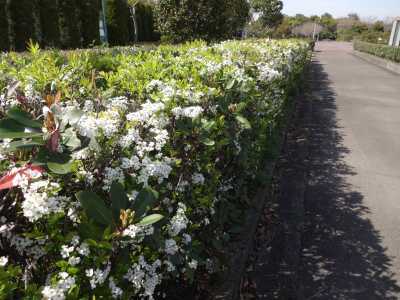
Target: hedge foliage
69	24
383	51
211	20
117	168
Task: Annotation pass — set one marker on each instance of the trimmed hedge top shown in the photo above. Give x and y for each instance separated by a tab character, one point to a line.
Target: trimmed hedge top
383	51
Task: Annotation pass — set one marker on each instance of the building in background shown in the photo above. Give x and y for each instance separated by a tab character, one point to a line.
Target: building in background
395	36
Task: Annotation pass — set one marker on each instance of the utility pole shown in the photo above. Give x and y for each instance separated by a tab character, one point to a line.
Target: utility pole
315	30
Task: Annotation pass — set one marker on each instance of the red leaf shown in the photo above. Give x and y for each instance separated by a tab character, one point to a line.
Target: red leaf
9	181
54	140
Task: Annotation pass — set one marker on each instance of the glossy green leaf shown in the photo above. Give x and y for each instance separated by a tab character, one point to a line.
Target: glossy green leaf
230	84
71	140
119	199
146	200
149	220
208	142
60	168
22	117
95	207
24	144
243	122
11	129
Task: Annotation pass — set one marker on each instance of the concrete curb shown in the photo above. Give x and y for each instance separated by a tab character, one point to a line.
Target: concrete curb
380	62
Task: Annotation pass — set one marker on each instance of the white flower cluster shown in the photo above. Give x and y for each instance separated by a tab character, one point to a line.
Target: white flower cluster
191	112
144	276
267	73
59	291
98	276
198	178
39	202
179	222
138	232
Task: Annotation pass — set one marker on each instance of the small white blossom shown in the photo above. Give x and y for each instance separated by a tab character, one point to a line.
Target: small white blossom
3	261
171	247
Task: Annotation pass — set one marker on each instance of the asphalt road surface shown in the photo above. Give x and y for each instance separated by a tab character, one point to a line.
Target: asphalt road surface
351	245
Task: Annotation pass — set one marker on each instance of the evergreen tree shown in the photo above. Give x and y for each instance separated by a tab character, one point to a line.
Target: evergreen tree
4	42
21	23
270	10
184	20
118	22
49	23
89	21
69	23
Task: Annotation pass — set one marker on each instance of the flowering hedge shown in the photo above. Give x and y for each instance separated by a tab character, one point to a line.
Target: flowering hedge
117	168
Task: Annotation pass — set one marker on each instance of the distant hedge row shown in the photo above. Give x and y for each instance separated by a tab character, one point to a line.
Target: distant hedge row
69	23
383	51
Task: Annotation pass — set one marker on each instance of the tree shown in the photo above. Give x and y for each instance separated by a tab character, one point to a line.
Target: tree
20	23
378	26
353	16
270	11
4	42
185	20
133	6
89	15
237	14
70	36
50	31
118	20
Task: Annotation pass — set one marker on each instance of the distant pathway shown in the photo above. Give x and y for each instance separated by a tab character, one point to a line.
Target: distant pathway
351	244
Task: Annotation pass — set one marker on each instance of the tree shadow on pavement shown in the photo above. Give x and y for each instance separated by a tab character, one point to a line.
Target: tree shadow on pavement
342	255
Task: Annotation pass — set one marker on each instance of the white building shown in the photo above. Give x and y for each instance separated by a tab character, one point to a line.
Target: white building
395	36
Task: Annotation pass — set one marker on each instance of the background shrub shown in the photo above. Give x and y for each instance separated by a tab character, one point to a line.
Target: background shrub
383	51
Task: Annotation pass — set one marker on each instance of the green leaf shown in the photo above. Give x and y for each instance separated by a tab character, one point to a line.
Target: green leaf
71	140
208	142
95	207
119	199
22	117
73	116
145	201
59	163
11	129
149	220
24	144
230	84
60	168
243	122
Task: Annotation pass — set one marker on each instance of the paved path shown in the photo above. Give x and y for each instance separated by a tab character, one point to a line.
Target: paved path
351	245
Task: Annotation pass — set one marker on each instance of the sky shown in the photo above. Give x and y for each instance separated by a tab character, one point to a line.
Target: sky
339	8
